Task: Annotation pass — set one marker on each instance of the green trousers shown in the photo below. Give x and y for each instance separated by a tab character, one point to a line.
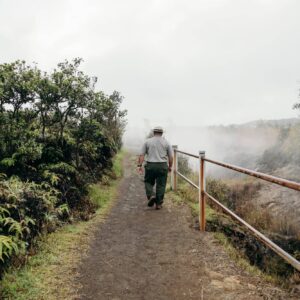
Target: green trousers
156	173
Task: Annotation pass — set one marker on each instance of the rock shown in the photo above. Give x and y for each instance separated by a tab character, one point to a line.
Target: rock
215	275
232	279
251	286
229	284
232	283
217	284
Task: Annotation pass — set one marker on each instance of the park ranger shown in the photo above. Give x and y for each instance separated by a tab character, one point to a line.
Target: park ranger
157	152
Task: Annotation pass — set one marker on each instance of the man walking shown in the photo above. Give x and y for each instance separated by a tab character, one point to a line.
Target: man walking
159	160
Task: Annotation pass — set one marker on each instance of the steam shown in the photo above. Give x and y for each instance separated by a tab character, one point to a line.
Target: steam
236	144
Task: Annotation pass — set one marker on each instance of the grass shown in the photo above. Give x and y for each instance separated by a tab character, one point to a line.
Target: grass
189	196
241	261
50	273
100	193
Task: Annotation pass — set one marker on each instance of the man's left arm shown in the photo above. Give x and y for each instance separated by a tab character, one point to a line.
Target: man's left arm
170	163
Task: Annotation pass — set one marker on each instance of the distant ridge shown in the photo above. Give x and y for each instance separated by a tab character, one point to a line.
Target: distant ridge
279	122
259	123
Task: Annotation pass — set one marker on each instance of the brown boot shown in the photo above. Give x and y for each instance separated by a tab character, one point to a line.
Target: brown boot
158	206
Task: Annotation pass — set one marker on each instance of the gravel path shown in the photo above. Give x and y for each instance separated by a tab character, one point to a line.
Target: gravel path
141	253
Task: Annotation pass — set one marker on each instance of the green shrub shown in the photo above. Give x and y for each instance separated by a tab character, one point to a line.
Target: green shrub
58	135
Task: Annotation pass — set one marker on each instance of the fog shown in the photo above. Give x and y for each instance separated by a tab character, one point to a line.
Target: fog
241	145
218	141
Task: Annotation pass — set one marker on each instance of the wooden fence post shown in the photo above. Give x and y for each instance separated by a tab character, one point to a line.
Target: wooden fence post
175	165
201	190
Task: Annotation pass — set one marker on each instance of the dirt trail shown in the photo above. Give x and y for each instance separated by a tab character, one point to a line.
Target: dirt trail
141	253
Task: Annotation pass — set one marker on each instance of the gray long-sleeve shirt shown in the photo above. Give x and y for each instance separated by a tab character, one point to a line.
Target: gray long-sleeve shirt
157	149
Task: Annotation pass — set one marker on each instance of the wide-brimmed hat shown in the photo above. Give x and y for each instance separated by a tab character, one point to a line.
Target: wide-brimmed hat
158	129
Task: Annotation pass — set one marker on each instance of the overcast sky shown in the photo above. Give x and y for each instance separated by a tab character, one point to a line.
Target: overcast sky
180	62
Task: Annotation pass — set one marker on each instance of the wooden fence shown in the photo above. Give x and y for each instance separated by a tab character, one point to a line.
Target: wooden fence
203	195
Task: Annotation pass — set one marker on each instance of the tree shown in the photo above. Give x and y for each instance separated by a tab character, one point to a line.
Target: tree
57	135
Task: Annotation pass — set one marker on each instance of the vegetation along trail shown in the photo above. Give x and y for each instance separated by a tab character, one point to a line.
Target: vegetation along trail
141	253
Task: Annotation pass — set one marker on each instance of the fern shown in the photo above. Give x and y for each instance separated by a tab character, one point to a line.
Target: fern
63	210
3	212
14	227
7	162
7	247
51	176
3	176
62	168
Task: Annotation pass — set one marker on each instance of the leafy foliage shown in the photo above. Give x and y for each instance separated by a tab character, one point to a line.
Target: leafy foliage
7	247
57	135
